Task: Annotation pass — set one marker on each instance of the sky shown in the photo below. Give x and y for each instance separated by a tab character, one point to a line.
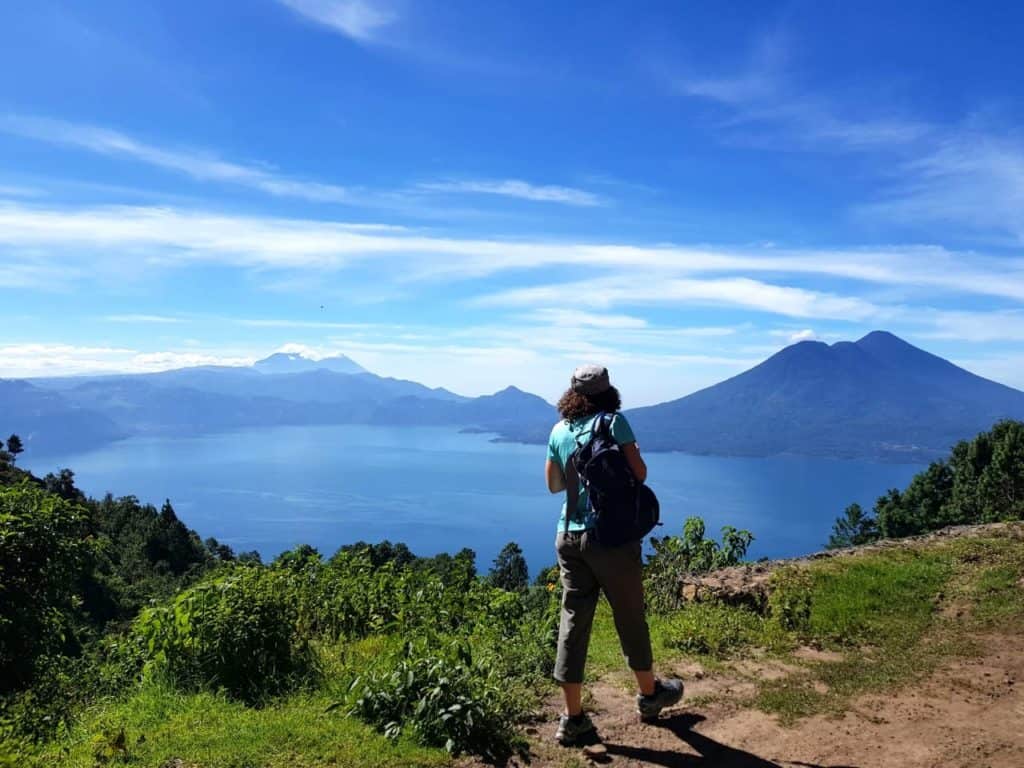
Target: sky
475	195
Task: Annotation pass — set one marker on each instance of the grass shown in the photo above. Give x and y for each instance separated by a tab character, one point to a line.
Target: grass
206	730
893	616
885	613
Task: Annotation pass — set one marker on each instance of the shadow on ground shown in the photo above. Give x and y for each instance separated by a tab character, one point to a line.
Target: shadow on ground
710	752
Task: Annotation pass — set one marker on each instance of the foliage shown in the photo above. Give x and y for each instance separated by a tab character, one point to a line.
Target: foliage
44	552
209	729
715	630
14	446
790	599
675	556
854	528
981	482
442	696
238	632
509	571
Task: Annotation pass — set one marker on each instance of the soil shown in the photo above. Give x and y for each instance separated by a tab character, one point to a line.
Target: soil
969	713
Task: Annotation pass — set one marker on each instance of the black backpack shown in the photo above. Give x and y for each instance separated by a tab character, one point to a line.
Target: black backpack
626	509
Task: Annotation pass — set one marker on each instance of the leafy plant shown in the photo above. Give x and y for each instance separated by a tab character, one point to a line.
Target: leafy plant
238	632
692	552
442	697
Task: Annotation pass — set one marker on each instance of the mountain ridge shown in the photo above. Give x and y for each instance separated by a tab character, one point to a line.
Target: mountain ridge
879	397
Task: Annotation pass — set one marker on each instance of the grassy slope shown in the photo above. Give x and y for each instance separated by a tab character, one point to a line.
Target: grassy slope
890	617
887	618
204	729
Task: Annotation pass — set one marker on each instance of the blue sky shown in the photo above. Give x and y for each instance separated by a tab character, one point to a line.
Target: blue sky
480	194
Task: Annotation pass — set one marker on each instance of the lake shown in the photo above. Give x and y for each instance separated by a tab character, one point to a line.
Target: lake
439	490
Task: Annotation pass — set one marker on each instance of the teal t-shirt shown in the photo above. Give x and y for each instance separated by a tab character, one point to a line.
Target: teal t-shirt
563	442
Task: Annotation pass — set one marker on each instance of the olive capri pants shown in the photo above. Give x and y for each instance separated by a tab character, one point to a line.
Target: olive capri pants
587	567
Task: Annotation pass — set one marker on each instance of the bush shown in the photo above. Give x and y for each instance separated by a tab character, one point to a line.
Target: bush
443	698
707	628
45	550
675	556
790	599
239	632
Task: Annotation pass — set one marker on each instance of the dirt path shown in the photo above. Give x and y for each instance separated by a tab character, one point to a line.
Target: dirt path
970	713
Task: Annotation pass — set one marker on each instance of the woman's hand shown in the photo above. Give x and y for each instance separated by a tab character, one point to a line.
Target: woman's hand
555	476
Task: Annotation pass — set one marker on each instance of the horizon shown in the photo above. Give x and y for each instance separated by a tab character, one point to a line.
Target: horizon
475	197
292	353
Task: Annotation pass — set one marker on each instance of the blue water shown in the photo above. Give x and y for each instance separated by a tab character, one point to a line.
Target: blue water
439	490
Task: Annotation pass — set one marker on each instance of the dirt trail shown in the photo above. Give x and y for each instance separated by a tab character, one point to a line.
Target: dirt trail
969	713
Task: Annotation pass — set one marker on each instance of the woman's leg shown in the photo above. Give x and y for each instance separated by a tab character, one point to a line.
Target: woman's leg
620	573
580	591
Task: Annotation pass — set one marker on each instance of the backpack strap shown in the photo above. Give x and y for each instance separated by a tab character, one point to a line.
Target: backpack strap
572	490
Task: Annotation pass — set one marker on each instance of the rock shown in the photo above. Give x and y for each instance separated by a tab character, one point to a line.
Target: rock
749	584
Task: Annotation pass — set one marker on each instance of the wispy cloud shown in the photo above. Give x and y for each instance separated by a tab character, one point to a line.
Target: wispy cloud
523	190
143	319
49	240
360	20
970	177
761	94
736	292
28	360
203	166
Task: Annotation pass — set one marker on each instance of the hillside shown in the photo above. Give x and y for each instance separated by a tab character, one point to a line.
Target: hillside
879	397
130	640
283	389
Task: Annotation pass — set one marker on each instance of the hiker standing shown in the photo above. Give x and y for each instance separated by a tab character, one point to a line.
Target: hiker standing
587	561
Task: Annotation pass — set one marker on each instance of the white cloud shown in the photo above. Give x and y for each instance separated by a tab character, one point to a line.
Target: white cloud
574	317
33	360
199	165
805	335
48	238
142	319
738	292
519	189
360	20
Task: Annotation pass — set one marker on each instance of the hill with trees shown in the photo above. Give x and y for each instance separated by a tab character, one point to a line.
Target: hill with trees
126	638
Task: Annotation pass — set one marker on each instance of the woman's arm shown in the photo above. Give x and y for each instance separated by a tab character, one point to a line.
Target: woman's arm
635	461
555	476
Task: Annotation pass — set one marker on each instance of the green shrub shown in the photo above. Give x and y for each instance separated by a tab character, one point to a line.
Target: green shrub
239	632
443	698
45	549
790	598
707	628
675	556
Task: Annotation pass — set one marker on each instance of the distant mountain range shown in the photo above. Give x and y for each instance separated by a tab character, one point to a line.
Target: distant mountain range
70	413
879	397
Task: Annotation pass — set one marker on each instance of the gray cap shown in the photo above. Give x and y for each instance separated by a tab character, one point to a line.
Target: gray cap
590	379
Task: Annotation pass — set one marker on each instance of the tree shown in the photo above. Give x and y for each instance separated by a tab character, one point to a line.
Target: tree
509	571
299	559
45	551
855	527
63	485
14	447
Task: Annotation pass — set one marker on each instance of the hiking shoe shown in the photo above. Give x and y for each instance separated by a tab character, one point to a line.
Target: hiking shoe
666	693
571	728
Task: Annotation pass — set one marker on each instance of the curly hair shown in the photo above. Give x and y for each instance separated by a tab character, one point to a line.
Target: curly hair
574	406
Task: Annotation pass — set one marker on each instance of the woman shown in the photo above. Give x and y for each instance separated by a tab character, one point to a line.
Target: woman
587	567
